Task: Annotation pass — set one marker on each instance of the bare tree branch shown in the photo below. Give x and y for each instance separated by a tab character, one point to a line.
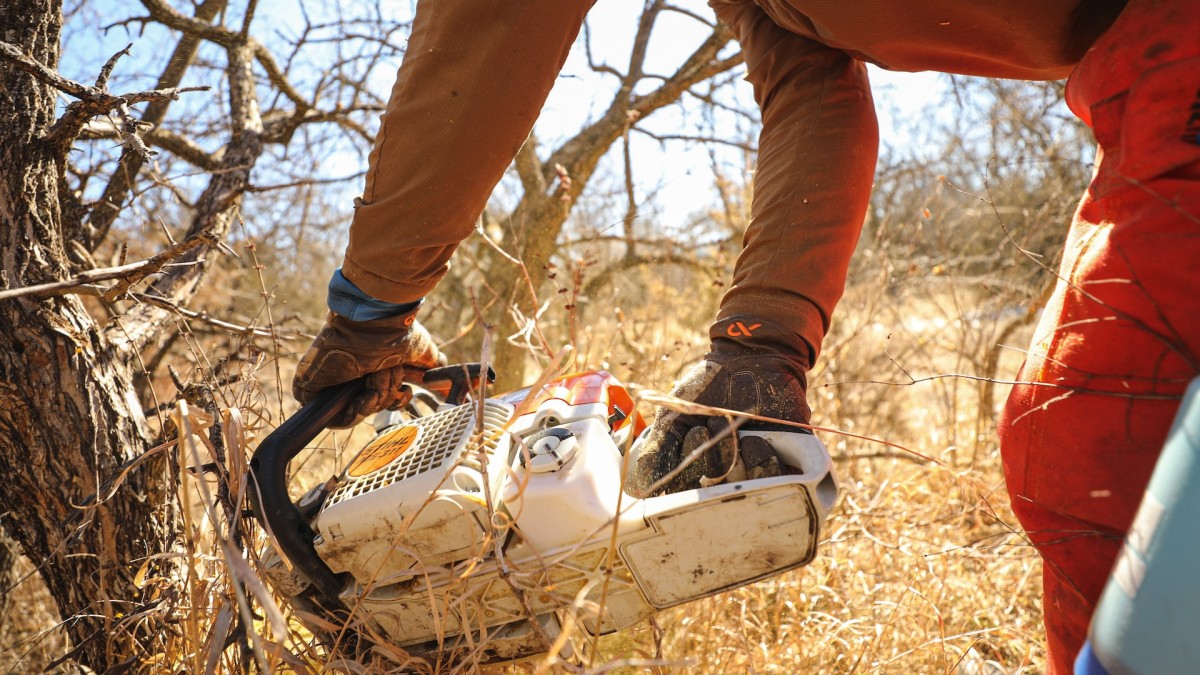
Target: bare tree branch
204	317
215	209
641	43
157	263
529	167
46	75
706	20
105	211
587	49
631	205
163	13
184	148
106	70
69	286
700	65
689	138
92	102
276	76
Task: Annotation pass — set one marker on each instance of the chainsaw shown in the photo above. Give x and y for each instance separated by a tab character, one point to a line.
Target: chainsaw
494	525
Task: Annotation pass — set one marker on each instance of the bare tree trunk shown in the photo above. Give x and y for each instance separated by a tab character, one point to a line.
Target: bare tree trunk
8	573
68	417
538	219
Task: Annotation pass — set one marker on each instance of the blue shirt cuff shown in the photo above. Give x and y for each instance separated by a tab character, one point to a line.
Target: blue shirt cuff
350	301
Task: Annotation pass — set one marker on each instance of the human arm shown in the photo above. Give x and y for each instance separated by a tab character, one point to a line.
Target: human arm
473	80
816	160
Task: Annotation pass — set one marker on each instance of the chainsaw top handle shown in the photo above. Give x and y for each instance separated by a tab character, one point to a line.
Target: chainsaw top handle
272	505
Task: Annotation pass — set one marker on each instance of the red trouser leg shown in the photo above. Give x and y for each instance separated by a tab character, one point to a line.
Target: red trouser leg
1120	338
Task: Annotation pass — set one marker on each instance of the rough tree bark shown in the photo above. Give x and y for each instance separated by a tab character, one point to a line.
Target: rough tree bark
68	419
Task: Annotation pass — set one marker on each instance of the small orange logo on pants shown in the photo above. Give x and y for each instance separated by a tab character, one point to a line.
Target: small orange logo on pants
739	329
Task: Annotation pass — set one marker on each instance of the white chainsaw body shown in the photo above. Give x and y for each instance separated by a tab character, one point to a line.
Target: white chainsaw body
462	525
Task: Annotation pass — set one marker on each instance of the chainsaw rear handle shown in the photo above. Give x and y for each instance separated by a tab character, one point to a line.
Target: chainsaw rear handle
269	468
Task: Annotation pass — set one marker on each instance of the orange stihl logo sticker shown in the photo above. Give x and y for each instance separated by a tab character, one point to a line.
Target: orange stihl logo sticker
739	329
382	452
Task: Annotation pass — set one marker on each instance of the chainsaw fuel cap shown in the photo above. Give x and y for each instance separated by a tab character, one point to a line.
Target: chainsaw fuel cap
549	450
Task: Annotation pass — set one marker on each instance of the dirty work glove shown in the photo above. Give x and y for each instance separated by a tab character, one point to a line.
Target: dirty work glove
378	349
753	366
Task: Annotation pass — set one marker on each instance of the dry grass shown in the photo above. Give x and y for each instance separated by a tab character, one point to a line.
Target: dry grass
29	637
921	561
919	567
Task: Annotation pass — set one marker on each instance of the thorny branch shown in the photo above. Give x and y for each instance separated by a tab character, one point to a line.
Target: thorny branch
47	76
159	261
105	211
126	276
93	101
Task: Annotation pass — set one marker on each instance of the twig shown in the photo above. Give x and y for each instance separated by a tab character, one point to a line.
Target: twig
1025	383
707	21
266	295
153	265
128	275
248	331
692	408
174	143
106	71
690	138
93	101
83	280
528	282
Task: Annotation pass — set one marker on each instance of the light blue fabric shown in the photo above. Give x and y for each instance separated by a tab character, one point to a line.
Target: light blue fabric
350	301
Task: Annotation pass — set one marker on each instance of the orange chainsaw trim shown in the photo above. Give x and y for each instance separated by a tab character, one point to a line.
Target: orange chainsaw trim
585	388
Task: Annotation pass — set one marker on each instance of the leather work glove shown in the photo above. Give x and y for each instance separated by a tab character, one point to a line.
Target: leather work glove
379	349
753	367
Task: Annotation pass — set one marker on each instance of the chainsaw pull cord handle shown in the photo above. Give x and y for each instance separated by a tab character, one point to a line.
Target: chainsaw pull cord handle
269	467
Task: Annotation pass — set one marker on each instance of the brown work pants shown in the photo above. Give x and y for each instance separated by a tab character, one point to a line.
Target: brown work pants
473	80
477	73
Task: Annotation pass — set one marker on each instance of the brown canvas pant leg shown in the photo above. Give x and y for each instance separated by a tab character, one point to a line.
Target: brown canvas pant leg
471	85
816	161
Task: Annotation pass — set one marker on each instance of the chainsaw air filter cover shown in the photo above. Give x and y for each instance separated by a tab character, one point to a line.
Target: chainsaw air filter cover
416	493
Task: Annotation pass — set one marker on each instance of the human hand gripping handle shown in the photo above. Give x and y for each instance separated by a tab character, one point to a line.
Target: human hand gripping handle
377	350
753	366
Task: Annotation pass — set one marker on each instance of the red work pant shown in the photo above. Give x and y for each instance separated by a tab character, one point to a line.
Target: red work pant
1120	338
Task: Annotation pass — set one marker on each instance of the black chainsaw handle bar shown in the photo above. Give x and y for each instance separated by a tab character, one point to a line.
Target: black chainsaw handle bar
269	468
